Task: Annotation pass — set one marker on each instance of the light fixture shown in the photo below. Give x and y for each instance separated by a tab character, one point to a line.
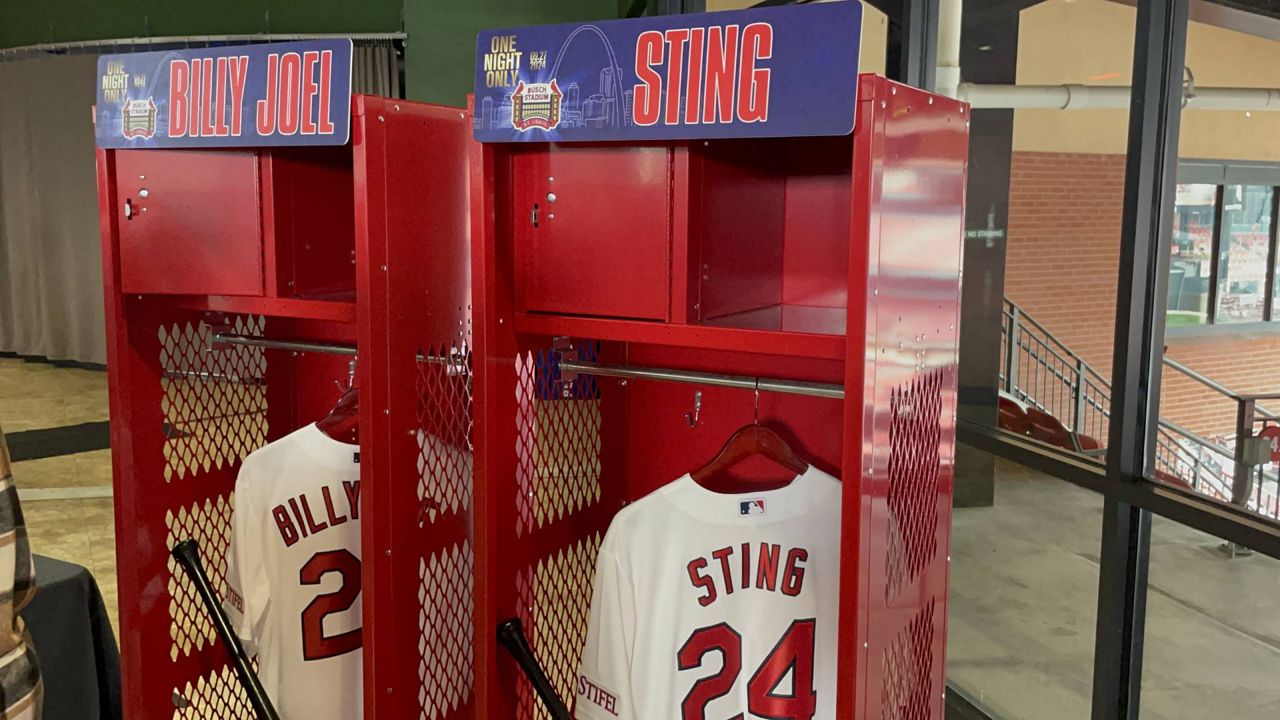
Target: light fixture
983	48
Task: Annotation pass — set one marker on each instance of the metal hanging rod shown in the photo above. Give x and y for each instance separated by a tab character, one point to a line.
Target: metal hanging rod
744	382
294	345
456	362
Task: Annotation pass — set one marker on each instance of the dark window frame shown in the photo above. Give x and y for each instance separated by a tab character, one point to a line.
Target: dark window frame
1273	259
1215	256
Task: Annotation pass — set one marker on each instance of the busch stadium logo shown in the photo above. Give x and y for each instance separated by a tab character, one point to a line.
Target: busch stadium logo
139	119
536	105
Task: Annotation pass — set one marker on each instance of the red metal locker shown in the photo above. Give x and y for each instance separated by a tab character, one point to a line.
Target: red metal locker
365	249
826	260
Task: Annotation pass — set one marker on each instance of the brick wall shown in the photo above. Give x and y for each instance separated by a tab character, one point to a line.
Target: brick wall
1063	246
1061	268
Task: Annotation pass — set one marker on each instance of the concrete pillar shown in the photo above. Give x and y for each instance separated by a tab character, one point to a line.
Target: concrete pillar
989	54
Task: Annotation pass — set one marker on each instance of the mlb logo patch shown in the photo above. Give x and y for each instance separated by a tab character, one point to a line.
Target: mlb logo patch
751	507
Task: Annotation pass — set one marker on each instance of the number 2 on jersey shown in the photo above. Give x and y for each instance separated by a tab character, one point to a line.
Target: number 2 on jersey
315	645
793	654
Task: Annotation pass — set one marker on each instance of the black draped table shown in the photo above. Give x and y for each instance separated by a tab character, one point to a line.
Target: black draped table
79	658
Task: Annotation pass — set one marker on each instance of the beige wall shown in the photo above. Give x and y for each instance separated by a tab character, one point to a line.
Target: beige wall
1091	42
875	33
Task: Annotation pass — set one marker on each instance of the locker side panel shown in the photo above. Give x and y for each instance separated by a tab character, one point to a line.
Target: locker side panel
415	326
914	245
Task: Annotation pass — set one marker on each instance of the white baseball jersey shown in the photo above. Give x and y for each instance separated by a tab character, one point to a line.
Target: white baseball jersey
711	606
293	578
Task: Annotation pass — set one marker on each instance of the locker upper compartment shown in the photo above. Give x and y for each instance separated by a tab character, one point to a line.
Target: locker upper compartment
736	232
273	222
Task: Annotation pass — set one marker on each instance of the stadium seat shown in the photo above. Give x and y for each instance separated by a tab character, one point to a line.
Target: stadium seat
1047	429
1012	417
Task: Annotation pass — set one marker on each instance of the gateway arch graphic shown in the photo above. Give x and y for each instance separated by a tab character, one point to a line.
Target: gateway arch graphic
594	93
611	95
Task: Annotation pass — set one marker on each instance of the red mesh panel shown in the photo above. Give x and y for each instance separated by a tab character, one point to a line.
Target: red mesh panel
914	465
445	457
557	443
214	405
445	465
445	668
908	670
209	523
216	696
555	603
214	401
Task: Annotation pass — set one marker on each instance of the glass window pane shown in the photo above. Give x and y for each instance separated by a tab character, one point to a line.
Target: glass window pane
1244	253
1022	608
1212	647
1191	257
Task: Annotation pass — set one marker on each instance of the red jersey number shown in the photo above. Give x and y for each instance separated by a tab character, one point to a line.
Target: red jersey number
717	638
794	655
315	644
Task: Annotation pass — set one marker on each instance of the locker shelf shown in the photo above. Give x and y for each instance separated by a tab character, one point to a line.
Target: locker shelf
710	337
339	307
789	319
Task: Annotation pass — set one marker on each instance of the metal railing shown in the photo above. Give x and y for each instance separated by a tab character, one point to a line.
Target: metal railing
1039	370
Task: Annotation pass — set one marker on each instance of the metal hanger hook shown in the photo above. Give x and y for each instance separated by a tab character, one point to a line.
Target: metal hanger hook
757	408
692	418
351	375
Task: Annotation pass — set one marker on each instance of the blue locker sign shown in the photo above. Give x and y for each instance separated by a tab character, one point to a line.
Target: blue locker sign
296	93
769	72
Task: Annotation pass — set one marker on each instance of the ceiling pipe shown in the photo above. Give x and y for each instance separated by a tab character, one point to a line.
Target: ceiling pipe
1109	97
947	74
1070	97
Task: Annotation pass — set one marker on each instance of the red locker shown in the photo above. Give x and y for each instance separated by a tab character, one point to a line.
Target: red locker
360	249
791	261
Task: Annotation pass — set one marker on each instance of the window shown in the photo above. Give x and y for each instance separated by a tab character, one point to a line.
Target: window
1223	259
1243	254
1191	256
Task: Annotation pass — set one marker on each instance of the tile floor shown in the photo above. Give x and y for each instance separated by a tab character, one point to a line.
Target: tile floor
81	530
1022	611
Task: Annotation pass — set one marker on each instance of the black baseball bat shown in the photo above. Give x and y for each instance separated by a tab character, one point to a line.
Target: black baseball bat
187	553
511	636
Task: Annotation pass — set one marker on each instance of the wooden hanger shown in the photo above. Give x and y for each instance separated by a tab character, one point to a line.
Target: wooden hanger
753	439
343	421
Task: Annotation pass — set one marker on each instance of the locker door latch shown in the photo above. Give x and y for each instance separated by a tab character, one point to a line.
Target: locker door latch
533	215
128	209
